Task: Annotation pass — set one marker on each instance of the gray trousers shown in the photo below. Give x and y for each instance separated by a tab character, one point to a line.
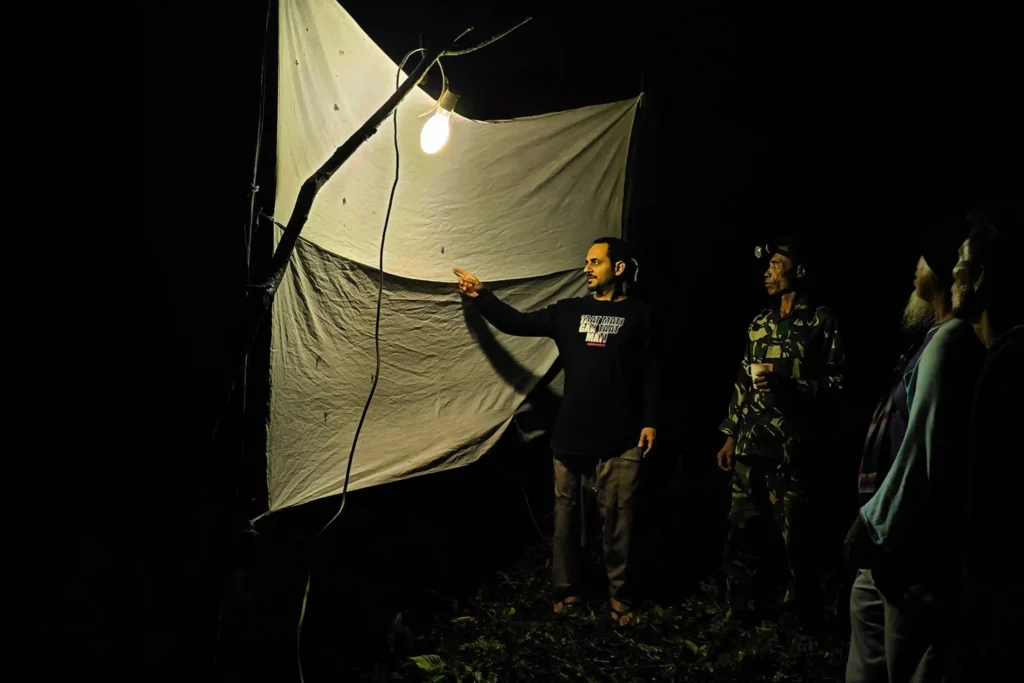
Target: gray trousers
614	481
895	639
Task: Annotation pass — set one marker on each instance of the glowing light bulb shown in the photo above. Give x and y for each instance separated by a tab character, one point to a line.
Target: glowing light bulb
435	132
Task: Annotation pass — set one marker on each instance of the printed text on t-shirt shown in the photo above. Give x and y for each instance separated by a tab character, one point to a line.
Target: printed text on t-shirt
598	327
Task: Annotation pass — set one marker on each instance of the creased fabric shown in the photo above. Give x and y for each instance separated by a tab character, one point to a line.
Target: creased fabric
517	202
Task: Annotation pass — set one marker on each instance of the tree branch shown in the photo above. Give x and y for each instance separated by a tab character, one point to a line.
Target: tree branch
309	189
456	51
259	297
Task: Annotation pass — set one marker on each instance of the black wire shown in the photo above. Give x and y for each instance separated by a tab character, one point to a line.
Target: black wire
380	294
533	519
376	374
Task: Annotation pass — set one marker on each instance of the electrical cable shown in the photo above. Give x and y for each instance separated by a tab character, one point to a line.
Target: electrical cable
376	374
529	509
444	89
376	334
526	498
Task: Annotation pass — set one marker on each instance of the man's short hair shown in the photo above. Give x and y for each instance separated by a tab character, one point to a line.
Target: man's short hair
798	249
618	250
995	240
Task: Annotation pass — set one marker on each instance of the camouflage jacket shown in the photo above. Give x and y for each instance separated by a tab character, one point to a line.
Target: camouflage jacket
806	347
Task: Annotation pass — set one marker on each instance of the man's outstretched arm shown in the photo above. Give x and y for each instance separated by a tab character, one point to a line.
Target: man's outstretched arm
504	317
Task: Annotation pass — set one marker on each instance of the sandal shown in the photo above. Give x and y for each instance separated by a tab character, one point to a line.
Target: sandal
568	604
621	613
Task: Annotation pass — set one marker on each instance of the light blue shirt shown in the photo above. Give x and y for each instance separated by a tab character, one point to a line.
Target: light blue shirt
905	499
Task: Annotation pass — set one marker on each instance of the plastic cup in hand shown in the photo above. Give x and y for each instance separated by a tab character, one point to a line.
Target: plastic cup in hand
759	369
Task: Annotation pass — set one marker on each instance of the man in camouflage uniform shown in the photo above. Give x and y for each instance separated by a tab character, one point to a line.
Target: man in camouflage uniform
770	430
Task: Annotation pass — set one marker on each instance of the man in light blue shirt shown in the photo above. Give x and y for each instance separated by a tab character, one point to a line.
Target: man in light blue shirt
910	499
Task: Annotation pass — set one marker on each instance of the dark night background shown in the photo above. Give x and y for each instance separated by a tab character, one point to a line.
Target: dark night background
859	127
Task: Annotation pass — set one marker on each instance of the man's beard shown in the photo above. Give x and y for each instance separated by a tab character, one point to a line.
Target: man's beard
965	303
918	315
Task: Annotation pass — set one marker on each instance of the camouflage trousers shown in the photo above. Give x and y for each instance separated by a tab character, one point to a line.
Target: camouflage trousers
769	513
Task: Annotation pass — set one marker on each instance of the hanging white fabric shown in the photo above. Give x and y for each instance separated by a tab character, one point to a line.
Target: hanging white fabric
516	202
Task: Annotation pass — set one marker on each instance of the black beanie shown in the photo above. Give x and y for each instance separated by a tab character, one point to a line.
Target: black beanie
941	246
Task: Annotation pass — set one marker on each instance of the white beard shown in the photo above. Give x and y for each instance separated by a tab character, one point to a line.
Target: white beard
918	315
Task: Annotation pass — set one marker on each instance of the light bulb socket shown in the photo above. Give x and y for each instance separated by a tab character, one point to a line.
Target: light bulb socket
448	100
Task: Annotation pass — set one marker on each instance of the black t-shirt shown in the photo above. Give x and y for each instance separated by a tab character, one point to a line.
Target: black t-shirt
995	464
610	368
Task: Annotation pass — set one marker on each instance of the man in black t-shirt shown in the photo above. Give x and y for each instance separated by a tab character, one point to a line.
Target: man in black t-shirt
607	423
